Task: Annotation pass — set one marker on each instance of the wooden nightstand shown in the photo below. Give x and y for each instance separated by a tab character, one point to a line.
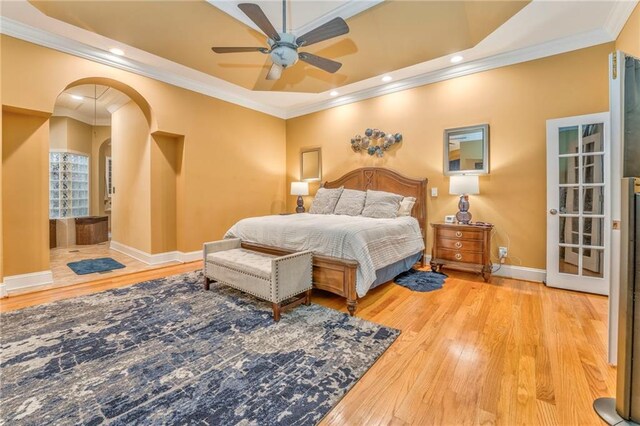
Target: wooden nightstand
466	247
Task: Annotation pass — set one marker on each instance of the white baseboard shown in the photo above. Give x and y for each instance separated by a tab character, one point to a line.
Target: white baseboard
521	273
190	256
3	291
26	281
158	258
516	272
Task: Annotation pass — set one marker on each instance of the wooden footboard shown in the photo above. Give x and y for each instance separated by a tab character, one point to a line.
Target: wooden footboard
337	276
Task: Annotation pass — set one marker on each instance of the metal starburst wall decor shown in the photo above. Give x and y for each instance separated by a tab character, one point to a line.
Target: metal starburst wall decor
375	142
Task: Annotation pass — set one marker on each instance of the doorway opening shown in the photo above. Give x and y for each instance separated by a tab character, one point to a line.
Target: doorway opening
81	183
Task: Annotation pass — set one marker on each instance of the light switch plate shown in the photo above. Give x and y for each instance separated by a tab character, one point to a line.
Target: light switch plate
434	192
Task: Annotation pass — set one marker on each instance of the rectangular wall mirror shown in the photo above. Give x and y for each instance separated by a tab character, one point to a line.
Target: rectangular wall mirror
311	165
466	150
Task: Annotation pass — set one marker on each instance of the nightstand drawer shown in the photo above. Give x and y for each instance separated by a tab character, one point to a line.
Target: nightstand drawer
460	245
459	234
460	256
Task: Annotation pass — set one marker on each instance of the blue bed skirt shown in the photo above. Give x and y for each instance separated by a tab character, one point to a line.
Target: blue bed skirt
389	272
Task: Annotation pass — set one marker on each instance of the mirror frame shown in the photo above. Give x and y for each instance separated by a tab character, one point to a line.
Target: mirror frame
485	150
304	151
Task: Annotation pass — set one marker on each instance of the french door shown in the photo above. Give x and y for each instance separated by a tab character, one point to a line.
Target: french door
578	203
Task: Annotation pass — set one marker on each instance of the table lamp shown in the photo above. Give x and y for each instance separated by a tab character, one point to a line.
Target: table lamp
464	185
300	189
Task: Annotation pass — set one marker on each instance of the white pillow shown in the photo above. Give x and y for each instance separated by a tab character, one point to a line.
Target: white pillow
380	204
325	201
406	205
351	202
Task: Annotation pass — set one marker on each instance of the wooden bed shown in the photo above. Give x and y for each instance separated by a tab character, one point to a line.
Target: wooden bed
337	275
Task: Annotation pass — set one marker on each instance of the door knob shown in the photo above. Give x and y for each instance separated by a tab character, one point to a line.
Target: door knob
553	211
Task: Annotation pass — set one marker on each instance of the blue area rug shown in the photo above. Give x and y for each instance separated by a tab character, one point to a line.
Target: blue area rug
421	280
90	266
168	352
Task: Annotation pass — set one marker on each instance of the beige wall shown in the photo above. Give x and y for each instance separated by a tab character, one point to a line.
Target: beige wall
25	187
233	157
629	38
516	101
69	134
131	217
166	151
1	192
100	149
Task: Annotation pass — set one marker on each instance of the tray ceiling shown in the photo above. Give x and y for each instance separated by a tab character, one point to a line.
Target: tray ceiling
540	29
383	38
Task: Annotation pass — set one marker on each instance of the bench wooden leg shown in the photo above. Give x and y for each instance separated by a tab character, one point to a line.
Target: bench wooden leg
207	283
307	299
276	311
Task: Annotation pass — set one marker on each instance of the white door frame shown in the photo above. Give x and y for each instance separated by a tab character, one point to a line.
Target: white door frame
616	105
554	277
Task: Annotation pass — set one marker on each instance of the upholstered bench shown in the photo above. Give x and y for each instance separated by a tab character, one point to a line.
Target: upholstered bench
272	278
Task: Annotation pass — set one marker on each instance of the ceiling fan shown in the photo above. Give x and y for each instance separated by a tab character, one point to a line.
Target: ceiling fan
283	47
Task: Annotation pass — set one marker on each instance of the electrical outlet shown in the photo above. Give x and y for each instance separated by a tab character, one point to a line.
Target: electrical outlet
502	253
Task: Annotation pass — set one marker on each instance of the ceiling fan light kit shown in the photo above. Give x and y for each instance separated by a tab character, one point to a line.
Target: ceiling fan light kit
283	47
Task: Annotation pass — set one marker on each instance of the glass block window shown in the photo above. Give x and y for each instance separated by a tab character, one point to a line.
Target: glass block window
68	185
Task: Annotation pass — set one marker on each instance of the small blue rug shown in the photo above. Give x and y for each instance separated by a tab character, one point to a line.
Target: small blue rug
421	280
90	266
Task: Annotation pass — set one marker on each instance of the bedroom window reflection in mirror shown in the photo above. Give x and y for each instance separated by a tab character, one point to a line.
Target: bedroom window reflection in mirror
311	165
466	150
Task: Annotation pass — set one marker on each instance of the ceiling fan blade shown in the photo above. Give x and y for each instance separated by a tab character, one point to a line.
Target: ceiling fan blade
239	49
274	72
333	28
258	17
320	62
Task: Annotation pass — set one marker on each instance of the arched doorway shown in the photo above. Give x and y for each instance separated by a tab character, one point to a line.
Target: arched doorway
98	138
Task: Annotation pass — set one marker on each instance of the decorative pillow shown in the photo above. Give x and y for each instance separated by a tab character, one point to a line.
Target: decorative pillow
380	204
351	202
406	205
325	201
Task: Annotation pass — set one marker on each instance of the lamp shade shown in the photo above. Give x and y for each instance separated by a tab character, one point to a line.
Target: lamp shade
299	188
464	185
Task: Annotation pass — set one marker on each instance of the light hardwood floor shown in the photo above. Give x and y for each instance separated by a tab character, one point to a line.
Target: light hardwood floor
63	275
507	352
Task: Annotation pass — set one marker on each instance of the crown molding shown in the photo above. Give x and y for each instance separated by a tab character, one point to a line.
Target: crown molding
210	86
619	16
77	115
555	47
345	11
53	41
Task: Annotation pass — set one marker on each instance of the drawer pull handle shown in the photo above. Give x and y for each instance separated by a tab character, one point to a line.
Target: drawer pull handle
458	234
458	244
458	256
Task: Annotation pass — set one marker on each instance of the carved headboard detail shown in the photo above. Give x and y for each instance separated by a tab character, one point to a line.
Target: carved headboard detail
381	179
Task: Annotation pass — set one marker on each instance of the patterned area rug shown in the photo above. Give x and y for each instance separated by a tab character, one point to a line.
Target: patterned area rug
90	266
422	281
168	352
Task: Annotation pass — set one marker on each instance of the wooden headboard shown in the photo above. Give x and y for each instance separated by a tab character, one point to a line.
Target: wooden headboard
381	179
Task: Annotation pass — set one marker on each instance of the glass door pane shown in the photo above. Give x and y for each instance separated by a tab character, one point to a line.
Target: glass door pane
581	208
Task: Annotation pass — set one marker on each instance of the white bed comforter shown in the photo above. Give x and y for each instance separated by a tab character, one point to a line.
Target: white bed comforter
373	243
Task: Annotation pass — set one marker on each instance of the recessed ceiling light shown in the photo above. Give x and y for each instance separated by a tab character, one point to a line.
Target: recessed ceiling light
387	78
333	93
77	97
456	59
117	51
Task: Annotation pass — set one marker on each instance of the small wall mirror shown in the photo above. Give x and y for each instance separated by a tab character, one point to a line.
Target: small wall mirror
310	165
466	150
